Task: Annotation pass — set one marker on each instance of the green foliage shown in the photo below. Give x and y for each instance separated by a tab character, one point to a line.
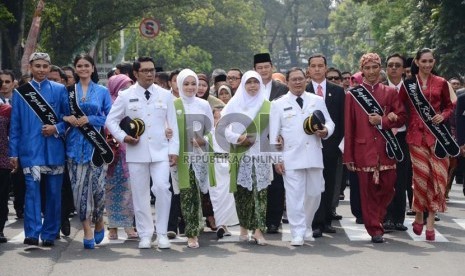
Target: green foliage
212	34
207	34
6	17
402	26
296	29
350	25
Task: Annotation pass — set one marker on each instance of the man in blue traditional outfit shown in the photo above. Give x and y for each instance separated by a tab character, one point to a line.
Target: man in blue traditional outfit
36	142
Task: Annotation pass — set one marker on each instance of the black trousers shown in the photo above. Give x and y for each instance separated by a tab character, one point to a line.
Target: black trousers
19	190
323	215
67	202
396	209
275	200
355	203
175	219
5	183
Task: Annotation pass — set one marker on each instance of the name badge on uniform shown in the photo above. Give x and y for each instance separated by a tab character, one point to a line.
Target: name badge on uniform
133	100
288	108
160	105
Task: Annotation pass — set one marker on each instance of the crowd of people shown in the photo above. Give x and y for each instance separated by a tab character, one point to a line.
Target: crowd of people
256	148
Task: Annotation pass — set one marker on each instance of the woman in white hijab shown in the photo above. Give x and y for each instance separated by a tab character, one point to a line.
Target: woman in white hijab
195	120
247	115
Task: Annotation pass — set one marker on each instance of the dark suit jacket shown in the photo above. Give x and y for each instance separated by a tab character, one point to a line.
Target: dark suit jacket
335	97
277	90
460	119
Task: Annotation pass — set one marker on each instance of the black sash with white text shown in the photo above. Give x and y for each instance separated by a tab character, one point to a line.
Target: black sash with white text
445	143
102	152
38	104
369	104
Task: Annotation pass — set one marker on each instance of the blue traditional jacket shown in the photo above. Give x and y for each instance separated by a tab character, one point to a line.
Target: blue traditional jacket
26	139
96	105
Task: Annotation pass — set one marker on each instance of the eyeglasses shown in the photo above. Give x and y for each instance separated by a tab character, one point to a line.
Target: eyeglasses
394	65
233	78
6	81
333	78
146	71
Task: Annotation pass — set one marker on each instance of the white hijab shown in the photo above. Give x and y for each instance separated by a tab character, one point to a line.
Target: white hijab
242	102
180	80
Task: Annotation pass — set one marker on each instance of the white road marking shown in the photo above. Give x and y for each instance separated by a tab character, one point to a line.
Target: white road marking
409	221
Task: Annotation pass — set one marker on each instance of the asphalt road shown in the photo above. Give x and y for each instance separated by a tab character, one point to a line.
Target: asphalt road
348	252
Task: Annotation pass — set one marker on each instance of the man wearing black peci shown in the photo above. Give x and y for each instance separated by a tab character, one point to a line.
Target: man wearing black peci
273	89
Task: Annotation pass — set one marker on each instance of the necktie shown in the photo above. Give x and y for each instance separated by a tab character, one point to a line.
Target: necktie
319	91
300	101
147	94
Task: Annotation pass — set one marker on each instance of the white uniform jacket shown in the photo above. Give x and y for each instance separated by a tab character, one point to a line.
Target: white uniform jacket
300	150
157	113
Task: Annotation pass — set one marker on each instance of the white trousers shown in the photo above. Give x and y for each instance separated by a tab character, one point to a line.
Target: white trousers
224	205
303	195
139	175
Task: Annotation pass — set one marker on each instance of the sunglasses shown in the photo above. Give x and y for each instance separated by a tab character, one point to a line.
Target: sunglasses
333	78
394	65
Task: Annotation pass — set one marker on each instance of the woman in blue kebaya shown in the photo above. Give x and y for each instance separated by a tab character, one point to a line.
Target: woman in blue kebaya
87	179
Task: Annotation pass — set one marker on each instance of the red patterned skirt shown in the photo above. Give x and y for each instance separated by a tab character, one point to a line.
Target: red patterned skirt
429	179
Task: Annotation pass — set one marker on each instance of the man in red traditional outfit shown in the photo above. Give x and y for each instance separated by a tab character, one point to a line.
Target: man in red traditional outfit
365	147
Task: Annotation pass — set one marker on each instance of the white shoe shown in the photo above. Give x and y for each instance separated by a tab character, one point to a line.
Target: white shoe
145	243
297	241
163	242
309	235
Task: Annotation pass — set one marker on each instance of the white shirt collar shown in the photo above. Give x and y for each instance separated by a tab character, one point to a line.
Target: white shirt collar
268	89
398	86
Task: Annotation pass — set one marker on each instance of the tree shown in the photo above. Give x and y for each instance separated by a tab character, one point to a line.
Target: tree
212	34
229	30
350	25
12	18
407	26
448	37
70	26
296	29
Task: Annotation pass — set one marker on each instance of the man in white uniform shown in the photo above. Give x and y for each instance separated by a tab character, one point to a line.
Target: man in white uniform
301	160
151	154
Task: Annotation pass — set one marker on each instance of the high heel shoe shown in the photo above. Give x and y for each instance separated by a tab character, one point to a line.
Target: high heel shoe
417	228
430	235
89	244
259	241
99	235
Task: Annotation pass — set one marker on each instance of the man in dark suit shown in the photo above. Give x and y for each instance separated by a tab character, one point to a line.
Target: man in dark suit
334	98
273	89
460	125
395	215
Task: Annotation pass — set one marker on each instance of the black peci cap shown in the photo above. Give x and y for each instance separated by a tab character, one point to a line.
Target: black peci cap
262	57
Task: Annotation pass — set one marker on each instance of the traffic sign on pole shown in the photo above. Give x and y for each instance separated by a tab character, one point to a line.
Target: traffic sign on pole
149	28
